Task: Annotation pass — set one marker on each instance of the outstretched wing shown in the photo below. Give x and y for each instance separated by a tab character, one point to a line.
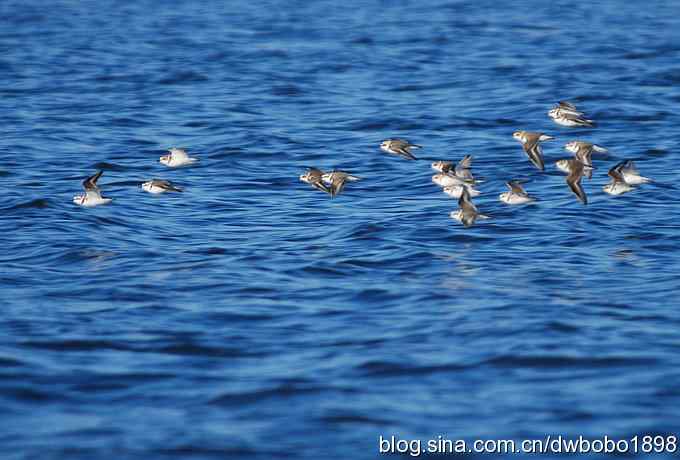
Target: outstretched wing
568	107
629	166
465	163
403	148
515	186
574	181
91	182
534	151
615	172
167	185
337	185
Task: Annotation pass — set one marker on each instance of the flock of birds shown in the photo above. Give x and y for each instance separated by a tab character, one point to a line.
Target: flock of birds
93	194
456	179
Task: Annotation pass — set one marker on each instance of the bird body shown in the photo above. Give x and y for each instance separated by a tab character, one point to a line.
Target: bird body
177	157
156	186
516	195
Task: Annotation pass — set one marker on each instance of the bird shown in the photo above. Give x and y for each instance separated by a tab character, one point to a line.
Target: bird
576	169
631	175
93	196
516	195
177	157
399	147
336	181
532	147
566	114
617	185
314	177
157	186
468	213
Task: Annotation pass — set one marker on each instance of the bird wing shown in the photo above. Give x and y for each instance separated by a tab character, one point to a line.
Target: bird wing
465	203
516	187
533	150
337	184
164	184
320	186
629	167
574	181
584	155
465	163
568	107
179	154
576	118
615	172
91	182
404	152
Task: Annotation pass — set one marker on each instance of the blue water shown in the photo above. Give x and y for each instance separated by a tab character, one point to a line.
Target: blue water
254	317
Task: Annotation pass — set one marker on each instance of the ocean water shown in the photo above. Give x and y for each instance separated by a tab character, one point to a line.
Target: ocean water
252	316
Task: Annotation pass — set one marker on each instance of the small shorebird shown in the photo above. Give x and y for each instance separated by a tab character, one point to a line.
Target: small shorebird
93	195
177	157
468	213
617	185
516	195
314	177
399	147
157	186
337	180
532	147
566	114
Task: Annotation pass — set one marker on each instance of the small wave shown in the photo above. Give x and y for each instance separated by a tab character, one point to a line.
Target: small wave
386	368
76	345
286	390
10	362
129	122
190	349
38	203
349	418
183	77
568	361
287	90
363	41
